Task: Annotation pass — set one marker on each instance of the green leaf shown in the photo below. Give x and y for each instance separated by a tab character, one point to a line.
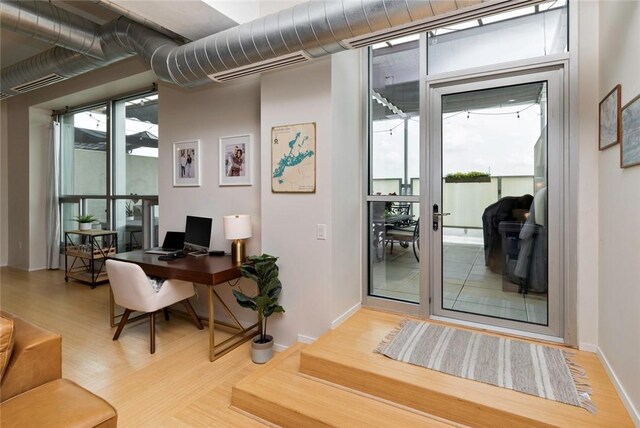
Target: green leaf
244	300
264	271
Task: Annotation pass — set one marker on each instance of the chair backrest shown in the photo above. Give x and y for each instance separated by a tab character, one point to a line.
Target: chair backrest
130	286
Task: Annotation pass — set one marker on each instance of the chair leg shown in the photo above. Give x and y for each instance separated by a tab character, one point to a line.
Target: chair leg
166	313
123	321
152	331
192	313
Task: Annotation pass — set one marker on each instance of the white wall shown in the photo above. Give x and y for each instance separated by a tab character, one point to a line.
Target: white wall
39	134
619	207
346	175
298	95
206	114
321	278
585	103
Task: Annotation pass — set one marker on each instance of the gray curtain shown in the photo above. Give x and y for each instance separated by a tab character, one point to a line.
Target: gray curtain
53	206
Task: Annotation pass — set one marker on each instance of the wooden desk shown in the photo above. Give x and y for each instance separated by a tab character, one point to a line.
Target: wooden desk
207	270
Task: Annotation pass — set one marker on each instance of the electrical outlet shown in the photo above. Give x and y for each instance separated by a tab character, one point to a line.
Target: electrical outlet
321	231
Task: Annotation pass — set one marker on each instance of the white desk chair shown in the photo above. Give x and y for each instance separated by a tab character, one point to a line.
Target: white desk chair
133	291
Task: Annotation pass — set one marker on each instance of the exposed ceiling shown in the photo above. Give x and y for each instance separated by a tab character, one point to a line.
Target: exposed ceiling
161	33
191	19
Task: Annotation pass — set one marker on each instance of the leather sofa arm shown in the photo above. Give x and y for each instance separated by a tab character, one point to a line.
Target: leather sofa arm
36	359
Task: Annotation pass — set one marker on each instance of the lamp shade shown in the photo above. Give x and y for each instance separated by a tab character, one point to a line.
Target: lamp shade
237	226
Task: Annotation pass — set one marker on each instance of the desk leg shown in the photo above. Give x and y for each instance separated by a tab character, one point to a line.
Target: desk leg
112	311
212	351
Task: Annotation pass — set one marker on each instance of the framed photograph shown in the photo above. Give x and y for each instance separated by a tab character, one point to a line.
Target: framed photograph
236	161
630	145
293	158
186	163
609	119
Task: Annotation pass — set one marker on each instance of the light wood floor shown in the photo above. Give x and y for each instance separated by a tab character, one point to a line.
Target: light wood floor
175	387
179	387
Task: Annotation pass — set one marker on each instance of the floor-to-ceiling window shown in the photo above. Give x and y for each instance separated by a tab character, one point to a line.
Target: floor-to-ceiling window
109	168
497	142
394	170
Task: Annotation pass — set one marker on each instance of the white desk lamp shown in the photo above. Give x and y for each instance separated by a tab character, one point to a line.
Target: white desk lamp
237	228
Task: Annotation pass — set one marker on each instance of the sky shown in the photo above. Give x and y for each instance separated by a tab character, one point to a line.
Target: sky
492	140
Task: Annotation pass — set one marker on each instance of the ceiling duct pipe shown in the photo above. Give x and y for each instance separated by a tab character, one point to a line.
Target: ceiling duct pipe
108	4
43	21
297	34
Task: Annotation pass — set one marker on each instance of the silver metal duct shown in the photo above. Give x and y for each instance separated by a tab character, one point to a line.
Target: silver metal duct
297	34
108	4
43	21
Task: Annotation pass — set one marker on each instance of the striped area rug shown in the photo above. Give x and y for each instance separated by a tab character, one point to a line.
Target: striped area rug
526	367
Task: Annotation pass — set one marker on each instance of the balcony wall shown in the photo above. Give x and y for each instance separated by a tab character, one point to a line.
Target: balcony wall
465	201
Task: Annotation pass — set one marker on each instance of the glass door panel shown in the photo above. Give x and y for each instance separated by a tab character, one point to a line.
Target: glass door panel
491	218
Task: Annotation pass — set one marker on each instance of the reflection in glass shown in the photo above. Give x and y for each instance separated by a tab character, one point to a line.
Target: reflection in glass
494	184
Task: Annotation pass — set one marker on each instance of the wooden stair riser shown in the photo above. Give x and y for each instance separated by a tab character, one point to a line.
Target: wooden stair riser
421	398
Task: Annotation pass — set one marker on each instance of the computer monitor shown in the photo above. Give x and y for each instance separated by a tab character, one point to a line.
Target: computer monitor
197	234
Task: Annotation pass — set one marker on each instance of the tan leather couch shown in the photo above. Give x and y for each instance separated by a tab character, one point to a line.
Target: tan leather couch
32	392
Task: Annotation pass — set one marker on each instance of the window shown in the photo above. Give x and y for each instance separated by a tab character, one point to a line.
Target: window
394	173
518	34
394	156
109	167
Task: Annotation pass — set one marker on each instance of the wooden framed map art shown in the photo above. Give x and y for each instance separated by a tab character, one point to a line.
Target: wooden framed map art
293	158
630	145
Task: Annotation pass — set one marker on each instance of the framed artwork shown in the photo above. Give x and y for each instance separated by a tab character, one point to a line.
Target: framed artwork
630	145
236	160
609	119
186	163
293	158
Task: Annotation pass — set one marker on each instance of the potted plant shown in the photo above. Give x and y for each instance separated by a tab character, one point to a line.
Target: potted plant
128	208
264	271
85	221
468	177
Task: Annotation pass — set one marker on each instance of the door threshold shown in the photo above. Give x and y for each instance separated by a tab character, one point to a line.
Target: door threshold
504	330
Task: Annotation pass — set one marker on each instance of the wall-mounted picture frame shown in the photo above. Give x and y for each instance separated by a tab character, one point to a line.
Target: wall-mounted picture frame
236	161
630	143
609	119
293	158
186	163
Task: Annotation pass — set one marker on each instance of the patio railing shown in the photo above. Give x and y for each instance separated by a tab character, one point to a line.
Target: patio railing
465	201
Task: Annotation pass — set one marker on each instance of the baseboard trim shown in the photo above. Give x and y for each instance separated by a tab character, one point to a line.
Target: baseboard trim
278	347
633	412
589	347
306	339
342	318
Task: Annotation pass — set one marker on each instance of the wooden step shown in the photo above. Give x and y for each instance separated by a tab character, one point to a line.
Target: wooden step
278	393
345	356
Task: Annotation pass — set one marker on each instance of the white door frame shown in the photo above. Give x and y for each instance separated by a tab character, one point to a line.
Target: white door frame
554	72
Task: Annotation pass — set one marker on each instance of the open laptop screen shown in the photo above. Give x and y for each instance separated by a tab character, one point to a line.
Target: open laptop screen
173	241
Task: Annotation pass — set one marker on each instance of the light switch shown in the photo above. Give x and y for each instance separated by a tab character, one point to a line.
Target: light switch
321	231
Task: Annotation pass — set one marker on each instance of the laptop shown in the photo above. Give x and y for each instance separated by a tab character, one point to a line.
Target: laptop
173	241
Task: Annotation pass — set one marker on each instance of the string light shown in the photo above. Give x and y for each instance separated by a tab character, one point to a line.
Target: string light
390	130
469	113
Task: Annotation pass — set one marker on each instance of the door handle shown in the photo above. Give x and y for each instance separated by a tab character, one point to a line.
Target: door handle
437	215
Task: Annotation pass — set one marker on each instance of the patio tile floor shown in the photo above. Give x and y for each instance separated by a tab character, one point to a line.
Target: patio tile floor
468	285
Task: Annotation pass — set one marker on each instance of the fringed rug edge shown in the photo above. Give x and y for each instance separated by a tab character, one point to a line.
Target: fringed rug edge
389	338
579	377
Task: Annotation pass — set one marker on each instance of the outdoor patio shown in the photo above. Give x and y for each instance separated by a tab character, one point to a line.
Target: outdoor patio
469	286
